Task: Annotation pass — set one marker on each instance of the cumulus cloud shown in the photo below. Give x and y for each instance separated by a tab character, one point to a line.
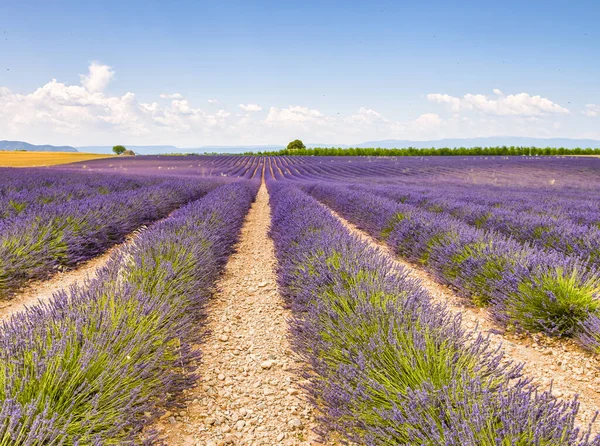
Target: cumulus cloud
591	110
504	105
295	113
171	96
86	113
58	108
250	107
428	120
367	116
98	77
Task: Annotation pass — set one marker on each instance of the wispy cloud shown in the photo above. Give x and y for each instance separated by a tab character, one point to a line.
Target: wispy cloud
250	108
501	105
592	110
171	96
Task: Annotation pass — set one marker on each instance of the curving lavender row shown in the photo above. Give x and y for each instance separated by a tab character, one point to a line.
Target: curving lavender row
93	365
532	289
538	224
23	190
579	208
36	243
578	175
386	366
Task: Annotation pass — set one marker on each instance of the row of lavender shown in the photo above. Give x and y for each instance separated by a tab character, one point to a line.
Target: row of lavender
43	239
561	227
553	173
386	366
24	190
95	364
580	208
527	288
181	166
569	202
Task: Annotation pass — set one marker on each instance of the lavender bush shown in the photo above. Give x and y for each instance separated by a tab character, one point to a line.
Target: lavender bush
38	242
24	190
95	363
537	291
532	219
386	365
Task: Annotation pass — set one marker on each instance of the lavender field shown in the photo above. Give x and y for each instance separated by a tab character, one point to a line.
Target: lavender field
114	359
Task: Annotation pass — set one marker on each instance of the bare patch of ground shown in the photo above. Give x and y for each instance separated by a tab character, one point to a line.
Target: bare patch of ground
248	392
43	290
559	363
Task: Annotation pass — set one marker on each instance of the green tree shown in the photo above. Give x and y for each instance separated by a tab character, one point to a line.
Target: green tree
296	145
119	149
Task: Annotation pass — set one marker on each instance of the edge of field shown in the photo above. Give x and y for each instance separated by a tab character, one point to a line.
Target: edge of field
42	159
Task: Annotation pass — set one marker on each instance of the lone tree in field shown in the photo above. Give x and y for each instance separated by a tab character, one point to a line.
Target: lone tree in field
296	145
119	149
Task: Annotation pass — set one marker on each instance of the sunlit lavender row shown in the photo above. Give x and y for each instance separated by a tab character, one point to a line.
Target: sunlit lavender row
44	238
385	365
99	361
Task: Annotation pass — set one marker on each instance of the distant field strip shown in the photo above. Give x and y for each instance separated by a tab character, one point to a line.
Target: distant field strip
32	159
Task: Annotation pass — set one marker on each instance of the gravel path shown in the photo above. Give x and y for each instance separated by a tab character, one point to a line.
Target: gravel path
548	361
248	392
42	290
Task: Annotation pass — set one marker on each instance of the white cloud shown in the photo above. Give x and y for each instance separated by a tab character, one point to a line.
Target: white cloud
87	114
367	116
76	110
514	104
250	107
498	92
428	120
295	113
171	96
212	101
98	77
592	110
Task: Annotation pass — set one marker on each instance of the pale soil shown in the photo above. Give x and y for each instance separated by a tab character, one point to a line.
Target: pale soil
559	363
249	391
43	290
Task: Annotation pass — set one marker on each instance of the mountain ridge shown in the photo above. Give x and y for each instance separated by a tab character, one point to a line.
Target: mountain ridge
21	145
492	141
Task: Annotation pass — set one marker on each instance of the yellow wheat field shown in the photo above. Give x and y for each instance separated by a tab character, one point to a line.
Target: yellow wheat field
32	159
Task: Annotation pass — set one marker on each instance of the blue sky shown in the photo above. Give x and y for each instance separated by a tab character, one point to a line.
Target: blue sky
334	72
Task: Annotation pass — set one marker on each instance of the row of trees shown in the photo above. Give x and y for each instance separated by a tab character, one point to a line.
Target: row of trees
297	148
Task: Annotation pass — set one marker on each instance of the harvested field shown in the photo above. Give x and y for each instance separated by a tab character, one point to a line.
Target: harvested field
35	159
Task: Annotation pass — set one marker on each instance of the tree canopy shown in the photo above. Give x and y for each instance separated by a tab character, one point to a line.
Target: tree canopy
296	145
119	149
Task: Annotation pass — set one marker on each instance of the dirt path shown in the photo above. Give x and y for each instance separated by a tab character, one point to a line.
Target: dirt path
42	290
248	392
547	361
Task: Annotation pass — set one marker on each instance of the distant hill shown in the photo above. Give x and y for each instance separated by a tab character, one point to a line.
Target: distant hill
156	150
139	150
20	145
493	141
